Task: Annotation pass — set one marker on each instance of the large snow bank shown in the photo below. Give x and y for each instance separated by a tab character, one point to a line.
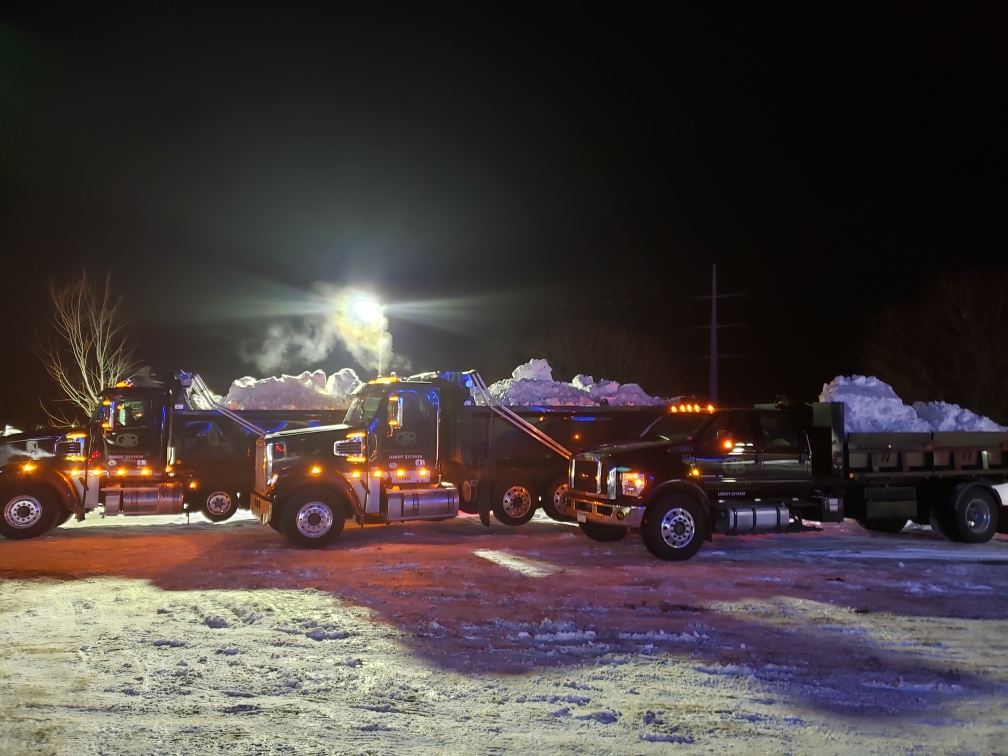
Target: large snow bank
307	391
872	406
533	384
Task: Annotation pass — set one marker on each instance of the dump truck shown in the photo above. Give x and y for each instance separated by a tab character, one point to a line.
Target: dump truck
159	445
771	467
425	448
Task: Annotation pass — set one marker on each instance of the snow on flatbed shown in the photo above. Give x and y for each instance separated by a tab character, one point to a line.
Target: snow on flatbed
451	638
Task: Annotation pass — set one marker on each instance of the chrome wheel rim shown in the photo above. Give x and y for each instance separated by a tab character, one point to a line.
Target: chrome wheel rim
560	499
22	512
314	519
678	528
517	501
218	503
978	515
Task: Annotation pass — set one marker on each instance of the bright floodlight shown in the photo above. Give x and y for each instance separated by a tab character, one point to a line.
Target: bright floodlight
368	310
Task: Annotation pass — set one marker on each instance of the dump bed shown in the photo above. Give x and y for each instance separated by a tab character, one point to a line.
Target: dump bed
939	454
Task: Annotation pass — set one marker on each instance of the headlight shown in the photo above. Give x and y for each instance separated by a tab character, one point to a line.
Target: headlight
632	483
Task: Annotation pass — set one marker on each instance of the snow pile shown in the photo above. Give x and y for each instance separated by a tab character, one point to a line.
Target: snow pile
871	406
308	391
943	416
533	384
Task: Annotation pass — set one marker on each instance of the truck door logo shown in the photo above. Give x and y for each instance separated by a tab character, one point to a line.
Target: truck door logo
734	467
405	438
126	439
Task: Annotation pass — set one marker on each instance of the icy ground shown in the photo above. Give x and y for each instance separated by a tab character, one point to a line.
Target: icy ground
872	406
451	638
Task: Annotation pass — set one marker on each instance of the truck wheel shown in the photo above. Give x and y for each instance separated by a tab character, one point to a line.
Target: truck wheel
312	519
219	506
29	513
974	514
514	502
603	533
675	528
554	502
63	517
940	519
467	498
884	524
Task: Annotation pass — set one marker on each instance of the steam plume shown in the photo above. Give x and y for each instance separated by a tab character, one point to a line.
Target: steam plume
347	317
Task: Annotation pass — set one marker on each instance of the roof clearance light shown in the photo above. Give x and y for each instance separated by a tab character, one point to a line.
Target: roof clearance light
710	407
377	474
77	434
674	409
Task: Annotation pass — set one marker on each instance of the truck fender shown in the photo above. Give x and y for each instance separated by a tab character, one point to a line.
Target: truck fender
57	482
325	480
687	487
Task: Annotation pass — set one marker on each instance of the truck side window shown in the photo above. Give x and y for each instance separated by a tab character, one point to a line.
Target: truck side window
728	427
415	433
778	432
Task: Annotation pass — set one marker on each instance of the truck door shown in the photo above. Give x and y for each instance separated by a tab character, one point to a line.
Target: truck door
411	434
784	461
726	457
132	434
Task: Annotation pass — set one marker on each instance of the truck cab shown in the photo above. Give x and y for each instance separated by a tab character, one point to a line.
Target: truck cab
389	461
695	471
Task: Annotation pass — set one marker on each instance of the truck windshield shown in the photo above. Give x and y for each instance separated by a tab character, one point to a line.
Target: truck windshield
675	429
363	409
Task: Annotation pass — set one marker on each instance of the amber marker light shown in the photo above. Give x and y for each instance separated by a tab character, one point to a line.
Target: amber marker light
316	470
710	407
121	471
193	484
400	473
727	444
377	473
355	474
422	471
77	434
145	471
29	466
695	472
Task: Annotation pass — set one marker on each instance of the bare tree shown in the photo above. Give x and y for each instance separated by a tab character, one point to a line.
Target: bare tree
603	350
88	348
950	343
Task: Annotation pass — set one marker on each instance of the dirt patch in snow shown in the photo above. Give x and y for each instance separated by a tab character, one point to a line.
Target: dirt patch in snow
448	637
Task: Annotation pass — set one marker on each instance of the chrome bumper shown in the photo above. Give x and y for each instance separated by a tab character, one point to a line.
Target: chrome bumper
605	512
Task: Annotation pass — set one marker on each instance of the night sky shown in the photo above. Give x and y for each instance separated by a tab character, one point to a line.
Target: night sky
496	170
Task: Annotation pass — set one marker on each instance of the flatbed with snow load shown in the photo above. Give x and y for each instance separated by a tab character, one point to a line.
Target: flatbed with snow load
160	448
425	448
768	468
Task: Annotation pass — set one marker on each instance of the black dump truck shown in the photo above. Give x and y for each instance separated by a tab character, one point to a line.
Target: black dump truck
155	446
768	468
423	448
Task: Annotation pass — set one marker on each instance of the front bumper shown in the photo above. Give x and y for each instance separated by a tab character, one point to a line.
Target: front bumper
261	506
622	513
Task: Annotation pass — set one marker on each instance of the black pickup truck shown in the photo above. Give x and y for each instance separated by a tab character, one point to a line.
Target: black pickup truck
770	467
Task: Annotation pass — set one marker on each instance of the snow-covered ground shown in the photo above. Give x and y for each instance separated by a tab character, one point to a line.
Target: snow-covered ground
451	638
872	406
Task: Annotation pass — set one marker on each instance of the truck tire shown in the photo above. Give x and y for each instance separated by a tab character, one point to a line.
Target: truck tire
29	511
467	498
312	519
514	502
675	527
275	523
603	533
940	519
974	514
553	502
884	524
65	515
219	505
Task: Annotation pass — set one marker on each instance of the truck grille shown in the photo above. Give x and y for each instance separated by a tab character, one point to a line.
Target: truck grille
586	475
260	465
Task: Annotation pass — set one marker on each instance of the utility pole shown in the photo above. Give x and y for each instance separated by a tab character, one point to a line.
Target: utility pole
714	326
